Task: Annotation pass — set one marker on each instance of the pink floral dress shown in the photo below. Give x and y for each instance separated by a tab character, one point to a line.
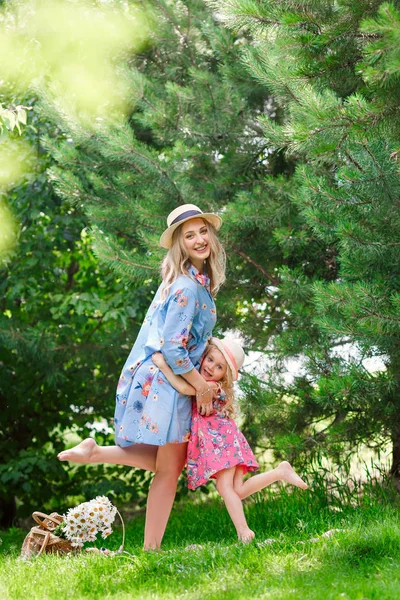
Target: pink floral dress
215	444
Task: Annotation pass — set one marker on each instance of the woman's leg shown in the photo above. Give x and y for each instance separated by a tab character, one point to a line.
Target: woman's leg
170	461
283	472
233	503
142	456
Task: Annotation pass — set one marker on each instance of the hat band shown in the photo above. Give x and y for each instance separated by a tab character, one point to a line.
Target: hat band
185	215
229	353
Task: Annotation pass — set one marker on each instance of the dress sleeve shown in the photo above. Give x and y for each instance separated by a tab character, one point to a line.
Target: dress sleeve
181	308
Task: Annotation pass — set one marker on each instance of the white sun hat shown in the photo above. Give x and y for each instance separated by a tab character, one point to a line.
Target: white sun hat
232	352
183	213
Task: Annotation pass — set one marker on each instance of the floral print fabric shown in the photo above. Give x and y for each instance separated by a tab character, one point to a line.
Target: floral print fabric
216	444
148	409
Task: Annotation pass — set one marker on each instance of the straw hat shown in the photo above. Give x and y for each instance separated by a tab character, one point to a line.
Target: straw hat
185	213
232	352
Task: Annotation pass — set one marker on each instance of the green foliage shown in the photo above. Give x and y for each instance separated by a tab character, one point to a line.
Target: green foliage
302	162
11	118
287	124
332	69
66	325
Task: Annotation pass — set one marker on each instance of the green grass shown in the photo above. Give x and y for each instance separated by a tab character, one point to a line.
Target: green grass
359	562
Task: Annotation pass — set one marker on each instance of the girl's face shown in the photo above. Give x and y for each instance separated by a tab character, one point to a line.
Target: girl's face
213	367
196	242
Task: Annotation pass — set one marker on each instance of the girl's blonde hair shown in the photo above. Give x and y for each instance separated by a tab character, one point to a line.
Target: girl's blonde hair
226	384
177	261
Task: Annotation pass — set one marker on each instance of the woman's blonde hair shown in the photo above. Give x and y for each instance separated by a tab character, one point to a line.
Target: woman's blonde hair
226	384
177	261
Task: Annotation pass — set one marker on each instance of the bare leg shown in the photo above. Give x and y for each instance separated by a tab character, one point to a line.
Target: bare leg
233	504
171	459
142	456
283	472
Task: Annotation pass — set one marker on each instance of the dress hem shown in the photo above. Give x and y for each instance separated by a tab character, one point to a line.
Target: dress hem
128	443
246	468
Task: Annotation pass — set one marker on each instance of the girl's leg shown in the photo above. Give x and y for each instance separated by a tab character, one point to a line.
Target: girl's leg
283	472
233	503
142	456
170	461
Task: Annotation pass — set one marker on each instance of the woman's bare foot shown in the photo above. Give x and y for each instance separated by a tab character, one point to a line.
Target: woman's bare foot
82	453
287	473
246	536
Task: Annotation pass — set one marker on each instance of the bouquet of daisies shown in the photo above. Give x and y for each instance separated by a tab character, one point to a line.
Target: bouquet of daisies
63	534
84	522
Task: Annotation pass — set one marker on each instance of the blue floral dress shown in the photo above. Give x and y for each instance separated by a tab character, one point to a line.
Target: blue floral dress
148	409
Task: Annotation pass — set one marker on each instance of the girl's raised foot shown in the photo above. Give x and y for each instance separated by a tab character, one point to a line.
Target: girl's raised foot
287	473
82	453
246	536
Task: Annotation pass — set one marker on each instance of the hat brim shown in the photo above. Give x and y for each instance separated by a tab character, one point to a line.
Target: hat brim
221	348
166	238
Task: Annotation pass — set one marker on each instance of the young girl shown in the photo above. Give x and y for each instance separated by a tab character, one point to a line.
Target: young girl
217	449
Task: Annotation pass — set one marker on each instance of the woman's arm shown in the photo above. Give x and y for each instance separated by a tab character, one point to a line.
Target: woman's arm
204	391
177	382
181	309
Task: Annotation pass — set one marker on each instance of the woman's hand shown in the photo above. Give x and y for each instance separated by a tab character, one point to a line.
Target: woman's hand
216	388
204	399
204	391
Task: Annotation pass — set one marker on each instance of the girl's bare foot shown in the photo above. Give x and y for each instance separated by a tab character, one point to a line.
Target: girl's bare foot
287	473
246	536
82	453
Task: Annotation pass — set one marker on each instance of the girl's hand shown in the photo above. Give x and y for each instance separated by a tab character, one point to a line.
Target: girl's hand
158	359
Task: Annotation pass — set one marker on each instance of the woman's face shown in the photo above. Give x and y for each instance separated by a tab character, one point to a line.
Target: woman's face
213	366
195	239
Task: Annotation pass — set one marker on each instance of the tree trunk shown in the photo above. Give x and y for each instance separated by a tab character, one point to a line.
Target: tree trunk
395	468
8	512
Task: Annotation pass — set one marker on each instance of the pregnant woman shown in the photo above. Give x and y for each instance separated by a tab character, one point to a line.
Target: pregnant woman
152	420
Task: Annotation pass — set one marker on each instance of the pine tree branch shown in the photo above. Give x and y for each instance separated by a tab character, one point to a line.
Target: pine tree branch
344	65
258	19
372	244
380	316
323	418
354	162
96	328
216	129
132	264
188	22
160	169
272	279
382	174
319	221
342	343
182	36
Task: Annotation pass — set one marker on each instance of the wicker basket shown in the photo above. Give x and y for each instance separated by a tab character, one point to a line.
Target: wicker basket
41	539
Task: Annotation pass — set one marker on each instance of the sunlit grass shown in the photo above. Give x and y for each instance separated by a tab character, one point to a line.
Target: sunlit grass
290	558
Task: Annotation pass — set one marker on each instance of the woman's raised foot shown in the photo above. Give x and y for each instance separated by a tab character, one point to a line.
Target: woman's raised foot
82	453
287	473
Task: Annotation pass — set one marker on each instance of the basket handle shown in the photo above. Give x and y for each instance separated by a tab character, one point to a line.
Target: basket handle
46	537
40	517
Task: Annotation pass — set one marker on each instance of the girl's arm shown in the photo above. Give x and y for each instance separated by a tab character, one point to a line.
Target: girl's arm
177	382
